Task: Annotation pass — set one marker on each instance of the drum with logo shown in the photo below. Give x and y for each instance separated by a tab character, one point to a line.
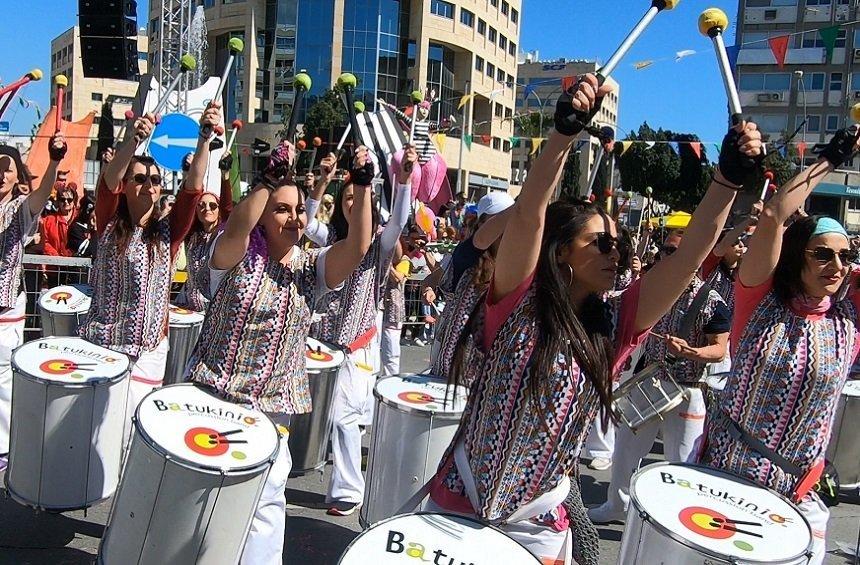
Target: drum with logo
62	309
309	432
68	419
195	472
844	448
427	538
647	396
184	328
689	515
415	420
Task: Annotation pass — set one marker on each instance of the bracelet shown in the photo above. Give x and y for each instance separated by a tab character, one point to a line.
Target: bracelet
729	186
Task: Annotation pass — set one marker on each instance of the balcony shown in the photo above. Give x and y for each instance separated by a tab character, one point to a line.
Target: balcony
772	15
809	56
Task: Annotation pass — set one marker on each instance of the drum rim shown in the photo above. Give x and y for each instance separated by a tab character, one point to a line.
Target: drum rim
330	345
416	411
184	325
18	370
181	461
446	514
30	504
634	499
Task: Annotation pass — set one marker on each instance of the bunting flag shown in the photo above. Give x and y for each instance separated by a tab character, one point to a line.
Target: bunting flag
494	93
536	143
486	139
783	151
440	139
464	100
675	147
649	144
78	141
567	82
697	149
579	144
528	89
801	148
467	139
515	141
732	54
717	147
625	145
828	36
642	65
779	46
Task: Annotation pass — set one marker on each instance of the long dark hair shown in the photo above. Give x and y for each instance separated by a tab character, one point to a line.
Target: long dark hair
338	219
787	277
124	226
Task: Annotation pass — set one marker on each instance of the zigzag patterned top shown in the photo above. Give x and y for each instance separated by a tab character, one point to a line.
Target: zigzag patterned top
394	303
16	221
458	311
656	349
197	257
131	291
252	343
788	372
518	447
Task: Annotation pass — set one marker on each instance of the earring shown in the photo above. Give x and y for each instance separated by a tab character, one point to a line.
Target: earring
570	282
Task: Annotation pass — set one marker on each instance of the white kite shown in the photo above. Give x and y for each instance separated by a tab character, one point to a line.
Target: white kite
685	53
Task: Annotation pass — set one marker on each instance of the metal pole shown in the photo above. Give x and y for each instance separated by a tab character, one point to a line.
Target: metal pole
462	143
376	81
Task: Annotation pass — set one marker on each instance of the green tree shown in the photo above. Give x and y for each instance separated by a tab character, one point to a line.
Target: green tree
569	185
325	114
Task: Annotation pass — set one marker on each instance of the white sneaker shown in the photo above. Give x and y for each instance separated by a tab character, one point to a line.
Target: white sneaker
600	463
605	514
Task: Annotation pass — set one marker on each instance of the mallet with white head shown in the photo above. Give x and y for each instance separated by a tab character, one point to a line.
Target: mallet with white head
235	46
61	82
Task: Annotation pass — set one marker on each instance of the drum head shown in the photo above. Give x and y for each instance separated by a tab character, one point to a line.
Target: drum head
189	423
724	515
320	356
422	536
421	393
180	317
68	361
852	388
72	299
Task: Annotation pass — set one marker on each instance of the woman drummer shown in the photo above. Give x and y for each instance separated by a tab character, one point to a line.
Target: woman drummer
132	272
212	211
794	338
263	286
350	318
546	345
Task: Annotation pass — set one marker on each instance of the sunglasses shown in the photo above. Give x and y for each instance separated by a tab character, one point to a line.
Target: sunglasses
140	178
825	255
605	242
69	200
204	205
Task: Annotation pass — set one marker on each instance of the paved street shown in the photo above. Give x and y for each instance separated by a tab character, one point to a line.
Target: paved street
313	538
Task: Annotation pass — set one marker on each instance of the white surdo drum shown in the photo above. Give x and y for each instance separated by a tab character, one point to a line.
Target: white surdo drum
194	475
415	420
62	308
689	515
184	329
434	538
844	448
68	417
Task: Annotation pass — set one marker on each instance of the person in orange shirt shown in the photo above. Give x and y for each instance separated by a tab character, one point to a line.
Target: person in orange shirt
54	228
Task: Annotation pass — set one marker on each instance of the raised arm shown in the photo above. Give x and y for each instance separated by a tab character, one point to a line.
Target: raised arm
519	250
225	200
491	230
196	176
38	198
664	283
345	255
317	231
116	168
765	244
402	203
233	243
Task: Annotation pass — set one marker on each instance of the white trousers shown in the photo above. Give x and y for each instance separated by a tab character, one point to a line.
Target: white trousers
265	543
11	337
390	351
352	407
817	514
147	374
682	429
600	441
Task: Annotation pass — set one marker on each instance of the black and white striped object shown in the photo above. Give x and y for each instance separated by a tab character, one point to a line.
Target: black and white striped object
381	132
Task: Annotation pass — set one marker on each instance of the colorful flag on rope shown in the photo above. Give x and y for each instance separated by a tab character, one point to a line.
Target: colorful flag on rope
529	88
625	145
779	46
440	139
828	36
732	54
673	145
464	100
650	144
486	139
515	141
697	149
536	143
801	149
467	139
717	147
567	82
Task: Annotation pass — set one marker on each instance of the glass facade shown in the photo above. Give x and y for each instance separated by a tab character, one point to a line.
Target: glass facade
440	77
235	89
277	48
314	45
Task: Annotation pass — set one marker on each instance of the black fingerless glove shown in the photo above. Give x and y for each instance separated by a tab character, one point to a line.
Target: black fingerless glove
362	176
280	161
734	165
57	153
226	162
569	121
840	148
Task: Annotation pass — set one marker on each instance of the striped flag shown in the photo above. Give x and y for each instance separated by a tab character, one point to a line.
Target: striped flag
381	132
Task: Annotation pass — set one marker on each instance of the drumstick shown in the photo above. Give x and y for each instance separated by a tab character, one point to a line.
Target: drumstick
227	441
730	521
224	434
731	529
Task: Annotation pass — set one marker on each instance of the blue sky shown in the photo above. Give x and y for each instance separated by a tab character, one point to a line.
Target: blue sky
686	96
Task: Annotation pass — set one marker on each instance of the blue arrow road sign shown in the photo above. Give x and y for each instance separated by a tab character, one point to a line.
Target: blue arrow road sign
172	140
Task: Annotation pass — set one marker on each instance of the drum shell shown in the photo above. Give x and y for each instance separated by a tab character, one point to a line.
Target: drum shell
167	511
183	338
844	448
309	433
57	324
405	451
66	441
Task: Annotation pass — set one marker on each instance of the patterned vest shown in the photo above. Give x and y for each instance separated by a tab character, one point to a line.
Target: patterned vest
197	258
458	311
12	233
394	303
656	350
788	373
131	291
519	447
251	347
351	312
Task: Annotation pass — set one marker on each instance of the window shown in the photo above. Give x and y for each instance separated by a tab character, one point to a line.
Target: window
497	144
494	3
758	39
510	81
499	111
813	123
855	81
512	48
515	15
442	8
506	146
500	75
765	81
467	18
503	42
771	123
836	82
492	35
491	70
509	113
97	96
814	81
812	39
479	64
482	26
832	123
505	7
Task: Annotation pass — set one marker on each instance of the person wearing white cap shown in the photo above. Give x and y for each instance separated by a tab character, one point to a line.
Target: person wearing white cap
466	277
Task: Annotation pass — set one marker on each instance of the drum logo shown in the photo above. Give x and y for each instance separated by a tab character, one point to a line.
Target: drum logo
319	355
212	443
61	297
79	351
715	525
180	311
66	367
395	544
219	413
416	397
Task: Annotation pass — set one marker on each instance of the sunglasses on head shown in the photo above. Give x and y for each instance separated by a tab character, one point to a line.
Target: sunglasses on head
826	255
605	242
140	178
211	205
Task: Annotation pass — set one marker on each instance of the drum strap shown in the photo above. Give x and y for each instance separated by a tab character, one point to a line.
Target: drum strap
688	322
739	434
